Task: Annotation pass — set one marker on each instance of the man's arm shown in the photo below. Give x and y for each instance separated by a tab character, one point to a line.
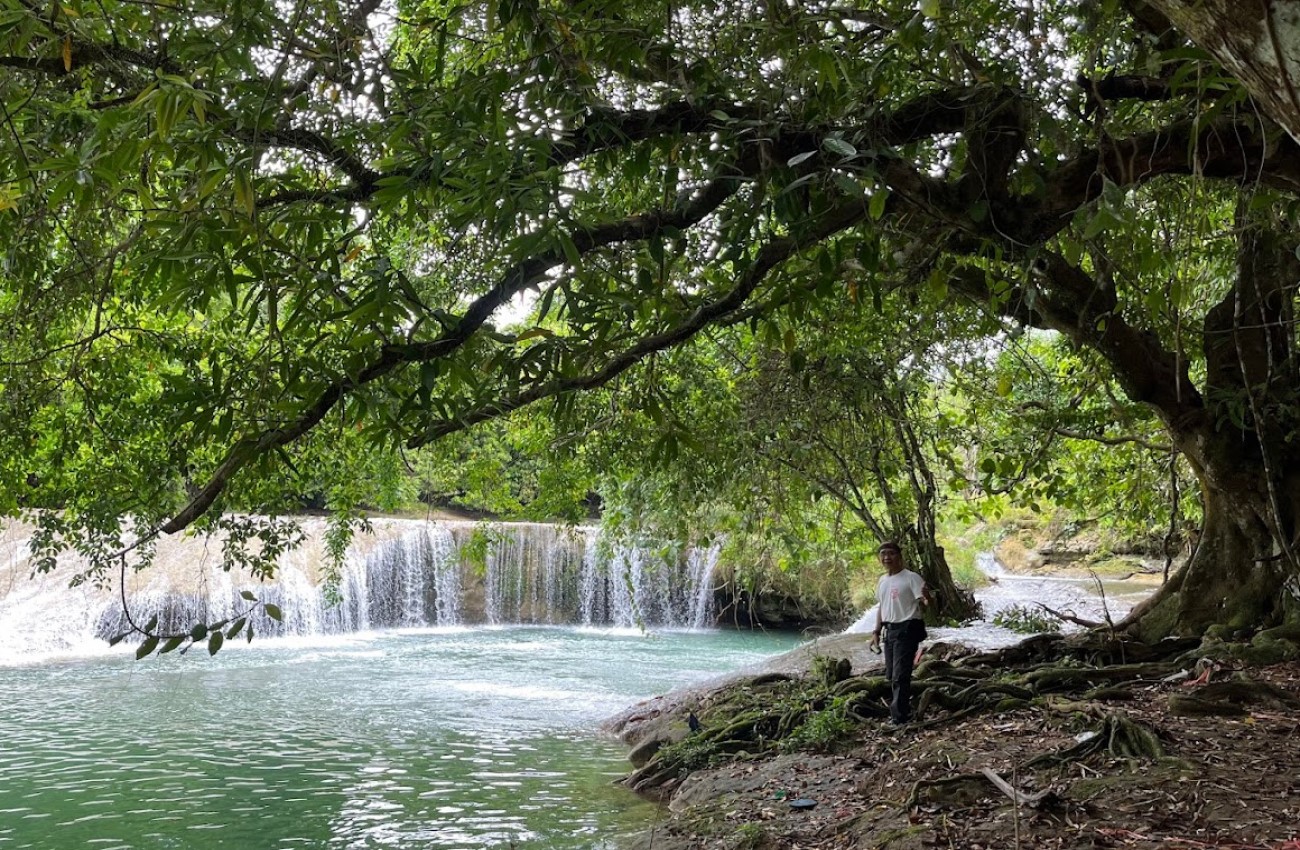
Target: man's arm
880	618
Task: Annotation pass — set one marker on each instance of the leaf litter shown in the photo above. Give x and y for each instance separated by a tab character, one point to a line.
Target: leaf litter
1230	783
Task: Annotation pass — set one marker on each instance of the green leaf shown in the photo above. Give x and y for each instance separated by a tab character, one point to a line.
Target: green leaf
802	181
199	632
800	158
876	206
273	611
214	642
847	185
248	595
245	197
149	645
118	638
839	146
938	285
236	628
172	643
569	248
545	307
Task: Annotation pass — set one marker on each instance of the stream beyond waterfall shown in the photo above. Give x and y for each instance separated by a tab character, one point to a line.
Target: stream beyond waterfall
1083	597
402	574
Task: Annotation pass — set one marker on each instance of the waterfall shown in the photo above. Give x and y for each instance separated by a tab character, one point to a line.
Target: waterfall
702	564
636	585
403	574
446	576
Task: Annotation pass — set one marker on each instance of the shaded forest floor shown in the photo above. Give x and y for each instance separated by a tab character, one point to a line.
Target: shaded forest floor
1215	781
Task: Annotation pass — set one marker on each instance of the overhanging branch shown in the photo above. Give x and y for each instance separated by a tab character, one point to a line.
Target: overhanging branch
773	253
519	277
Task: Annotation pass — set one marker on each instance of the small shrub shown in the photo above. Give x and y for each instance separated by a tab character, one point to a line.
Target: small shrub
822	730
750	836
1026	620
691	753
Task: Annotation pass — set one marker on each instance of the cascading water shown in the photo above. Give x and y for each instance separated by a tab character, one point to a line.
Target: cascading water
701	564
403	574
446	576
634	585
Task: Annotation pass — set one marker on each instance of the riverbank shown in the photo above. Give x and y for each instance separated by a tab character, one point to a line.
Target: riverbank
1096	755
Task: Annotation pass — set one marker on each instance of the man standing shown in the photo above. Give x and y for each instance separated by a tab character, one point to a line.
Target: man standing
899	597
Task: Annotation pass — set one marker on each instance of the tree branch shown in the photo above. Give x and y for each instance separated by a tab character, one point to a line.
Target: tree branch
1065	298
1229	150
519	277
773	253
1071	434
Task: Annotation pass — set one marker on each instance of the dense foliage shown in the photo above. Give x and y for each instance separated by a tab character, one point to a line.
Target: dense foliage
254	252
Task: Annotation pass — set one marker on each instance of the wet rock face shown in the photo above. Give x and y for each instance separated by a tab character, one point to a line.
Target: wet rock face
1070	547
775	611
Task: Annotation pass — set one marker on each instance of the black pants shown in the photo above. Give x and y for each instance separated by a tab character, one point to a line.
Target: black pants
901	642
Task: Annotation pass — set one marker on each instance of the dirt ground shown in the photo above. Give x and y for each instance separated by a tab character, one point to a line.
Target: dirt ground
1222	783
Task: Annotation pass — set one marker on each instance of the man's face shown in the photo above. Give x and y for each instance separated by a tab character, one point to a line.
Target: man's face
891	559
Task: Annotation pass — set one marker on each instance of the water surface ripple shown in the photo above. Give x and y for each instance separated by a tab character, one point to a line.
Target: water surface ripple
419	739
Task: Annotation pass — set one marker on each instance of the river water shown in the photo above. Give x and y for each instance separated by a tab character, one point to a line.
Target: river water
1078	596
426	738
414	739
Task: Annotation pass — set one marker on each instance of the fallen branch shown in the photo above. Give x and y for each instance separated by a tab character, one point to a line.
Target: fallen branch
1070	618
1017	797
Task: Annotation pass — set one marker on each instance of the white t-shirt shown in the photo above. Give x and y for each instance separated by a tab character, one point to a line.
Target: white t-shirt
898	596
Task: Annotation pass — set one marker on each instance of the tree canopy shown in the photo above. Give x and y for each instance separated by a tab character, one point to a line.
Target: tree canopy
242	242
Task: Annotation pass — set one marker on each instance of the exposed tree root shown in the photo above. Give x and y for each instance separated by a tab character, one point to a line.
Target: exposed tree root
1118	736
778	712
1186	705
1248	692
1048	679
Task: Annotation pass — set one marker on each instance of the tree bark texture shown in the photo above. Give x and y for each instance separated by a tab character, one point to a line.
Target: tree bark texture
1258	41
1242	444
949	603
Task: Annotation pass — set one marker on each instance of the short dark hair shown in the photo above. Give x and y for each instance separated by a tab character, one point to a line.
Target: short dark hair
889	544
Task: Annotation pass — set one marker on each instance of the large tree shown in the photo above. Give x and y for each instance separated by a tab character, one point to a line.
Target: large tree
232	233
1259	43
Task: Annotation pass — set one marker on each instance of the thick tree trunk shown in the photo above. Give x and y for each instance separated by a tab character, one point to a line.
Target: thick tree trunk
1259	42
1239	578
1242	443
950	604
